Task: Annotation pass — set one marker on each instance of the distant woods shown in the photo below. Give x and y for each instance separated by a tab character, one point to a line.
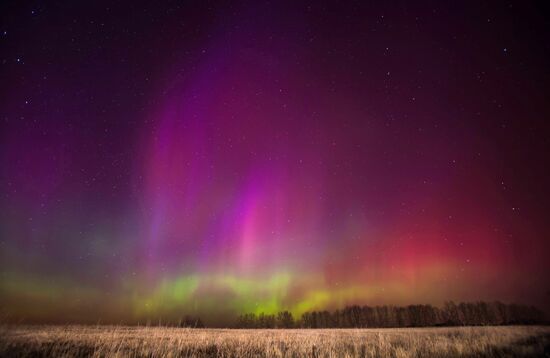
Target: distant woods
280	320
190	322
451	314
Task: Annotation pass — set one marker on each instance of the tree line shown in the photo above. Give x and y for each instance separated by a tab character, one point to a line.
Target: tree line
451	314
190	322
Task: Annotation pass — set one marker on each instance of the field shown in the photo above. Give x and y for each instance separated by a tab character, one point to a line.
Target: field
119	341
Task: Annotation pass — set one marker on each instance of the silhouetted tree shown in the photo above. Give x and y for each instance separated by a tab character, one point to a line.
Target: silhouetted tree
285	320
247	320
190	322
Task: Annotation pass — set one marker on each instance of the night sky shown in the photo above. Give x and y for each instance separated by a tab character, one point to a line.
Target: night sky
222	158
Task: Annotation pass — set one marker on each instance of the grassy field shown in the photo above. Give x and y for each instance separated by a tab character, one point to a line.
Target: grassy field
101	341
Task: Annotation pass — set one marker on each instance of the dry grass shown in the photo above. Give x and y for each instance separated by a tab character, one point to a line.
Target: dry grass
113	341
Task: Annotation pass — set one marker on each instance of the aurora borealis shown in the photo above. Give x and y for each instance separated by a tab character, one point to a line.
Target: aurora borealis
216	159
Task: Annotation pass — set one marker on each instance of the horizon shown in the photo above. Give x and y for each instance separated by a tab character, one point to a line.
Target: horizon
219	159
449	314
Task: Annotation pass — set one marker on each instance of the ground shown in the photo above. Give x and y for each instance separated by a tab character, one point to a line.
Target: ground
121	341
